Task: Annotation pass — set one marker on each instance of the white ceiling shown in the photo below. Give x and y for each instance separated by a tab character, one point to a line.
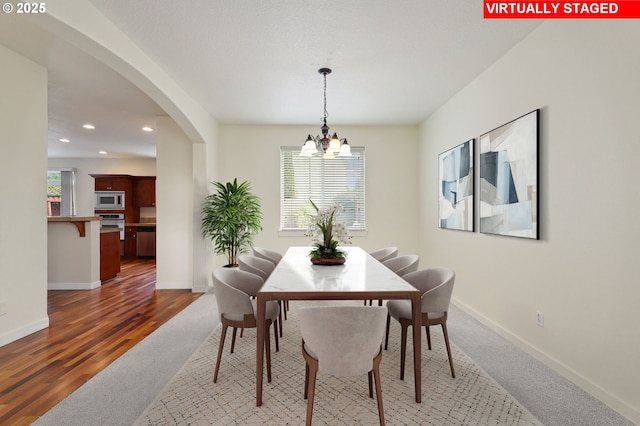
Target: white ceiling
256	62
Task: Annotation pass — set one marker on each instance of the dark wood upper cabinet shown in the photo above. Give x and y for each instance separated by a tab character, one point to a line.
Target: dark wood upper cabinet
112	183
144	191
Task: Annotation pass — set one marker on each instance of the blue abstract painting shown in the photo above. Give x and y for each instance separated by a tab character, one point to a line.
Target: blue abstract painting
509	178
455	201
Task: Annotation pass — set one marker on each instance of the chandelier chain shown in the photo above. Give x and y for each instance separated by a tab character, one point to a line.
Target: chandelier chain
326	114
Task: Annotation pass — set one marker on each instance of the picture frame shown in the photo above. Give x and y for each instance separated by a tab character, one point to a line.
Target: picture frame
456	188
508	180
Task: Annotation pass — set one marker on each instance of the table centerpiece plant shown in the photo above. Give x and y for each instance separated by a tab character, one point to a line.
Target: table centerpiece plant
327	233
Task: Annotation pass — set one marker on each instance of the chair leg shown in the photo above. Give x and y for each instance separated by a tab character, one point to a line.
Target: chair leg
233	338
386	335
403	347
426	327
313	372
370	378
241	332
306	380
446	342
267	348
379	302
376	376
220	348
277	324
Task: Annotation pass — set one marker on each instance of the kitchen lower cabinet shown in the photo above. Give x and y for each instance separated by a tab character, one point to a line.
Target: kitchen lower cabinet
109	254
130	242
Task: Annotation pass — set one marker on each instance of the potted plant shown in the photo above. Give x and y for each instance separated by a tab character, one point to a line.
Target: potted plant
230	218
327	233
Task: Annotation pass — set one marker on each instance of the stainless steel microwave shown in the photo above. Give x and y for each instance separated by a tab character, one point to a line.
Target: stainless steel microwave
110	200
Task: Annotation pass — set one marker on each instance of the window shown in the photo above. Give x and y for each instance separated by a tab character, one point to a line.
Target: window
339	180
61	192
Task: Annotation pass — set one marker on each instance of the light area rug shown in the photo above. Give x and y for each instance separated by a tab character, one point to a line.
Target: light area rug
191	397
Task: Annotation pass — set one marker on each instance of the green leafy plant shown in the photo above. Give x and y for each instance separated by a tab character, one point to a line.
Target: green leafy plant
231	217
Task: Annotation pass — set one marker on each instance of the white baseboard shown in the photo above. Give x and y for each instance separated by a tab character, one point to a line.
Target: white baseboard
74	286
165	285
24	331
565	371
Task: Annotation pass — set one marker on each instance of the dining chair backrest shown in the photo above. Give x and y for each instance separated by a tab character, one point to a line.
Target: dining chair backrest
265	253
403	265
384	253
436	286
233	289
255	265
344	339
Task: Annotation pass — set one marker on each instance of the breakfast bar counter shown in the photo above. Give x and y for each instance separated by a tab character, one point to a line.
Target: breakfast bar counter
73	252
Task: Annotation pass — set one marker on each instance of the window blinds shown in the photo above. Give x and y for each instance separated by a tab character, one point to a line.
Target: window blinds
340	180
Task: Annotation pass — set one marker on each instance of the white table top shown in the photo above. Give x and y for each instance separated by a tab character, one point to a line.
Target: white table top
360	273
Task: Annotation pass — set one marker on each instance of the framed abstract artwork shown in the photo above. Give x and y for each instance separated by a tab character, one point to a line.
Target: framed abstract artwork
455	198
509	178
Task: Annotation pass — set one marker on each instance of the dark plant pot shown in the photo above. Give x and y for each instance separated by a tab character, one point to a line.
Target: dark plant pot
328	261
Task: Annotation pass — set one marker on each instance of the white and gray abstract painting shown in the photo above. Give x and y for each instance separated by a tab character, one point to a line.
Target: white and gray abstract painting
509	178
455	203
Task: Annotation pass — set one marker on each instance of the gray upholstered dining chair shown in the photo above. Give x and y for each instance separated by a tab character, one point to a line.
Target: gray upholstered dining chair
381	255
404	264
436	286
262	268
384	253
343	341
256	265
233	290
401	265
265	253
275	258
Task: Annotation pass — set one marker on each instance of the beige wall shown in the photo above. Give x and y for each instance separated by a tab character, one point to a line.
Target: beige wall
253	153
23	177
581	274
174	207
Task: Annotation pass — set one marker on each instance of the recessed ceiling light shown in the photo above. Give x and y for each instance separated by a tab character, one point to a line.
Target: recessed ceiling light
102	152
65	140
147	129
89	126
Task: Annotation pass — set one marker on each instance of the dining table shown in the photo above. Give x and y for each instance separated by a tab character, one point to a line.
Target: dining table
361	277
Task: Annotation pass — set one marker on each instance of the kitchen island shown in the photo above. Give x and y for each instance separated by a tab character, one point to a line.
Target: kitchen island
73	247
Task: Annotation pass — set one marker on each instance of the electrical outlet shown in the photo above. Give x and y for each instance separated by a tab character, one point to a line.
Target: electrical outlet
540	318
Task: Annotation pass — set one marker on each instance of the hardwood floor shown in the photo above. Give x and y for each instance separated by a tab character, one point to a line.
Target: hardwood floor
88	330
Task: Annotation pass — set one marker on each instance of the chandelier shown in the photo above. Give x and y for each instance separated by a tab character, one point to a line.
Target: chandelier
330	146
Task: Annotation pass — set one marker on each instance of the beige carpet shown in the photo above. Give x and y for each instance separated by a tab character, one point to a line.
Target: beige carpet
191	398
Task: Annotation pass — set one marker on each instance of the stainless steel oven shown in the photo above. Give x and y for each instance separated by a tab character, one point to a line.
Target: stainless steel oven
113	220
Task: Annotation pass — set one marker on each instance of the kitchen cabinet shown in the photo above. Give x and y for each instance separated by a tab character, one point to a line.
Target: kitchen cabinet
105	182
144	191
112	183
130	242
109	254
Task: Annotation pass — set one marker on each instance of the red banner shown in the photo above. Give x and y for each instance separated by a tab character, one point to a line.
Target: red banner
624	9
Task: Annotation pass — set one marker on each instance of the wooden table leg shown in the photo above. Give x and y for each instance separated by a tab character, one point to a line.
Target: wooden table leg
260	318
416	310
